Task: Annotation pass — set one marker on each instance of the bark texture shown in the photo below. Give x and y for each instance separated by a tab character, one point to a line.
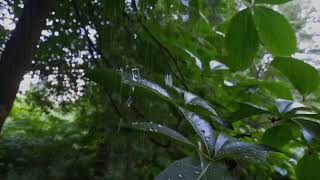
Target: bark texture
16	58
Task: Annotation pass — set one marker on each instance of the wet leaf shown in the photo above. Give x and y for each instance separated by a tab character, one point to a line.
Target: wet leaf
216	66
244	151
286	106
221	140
160	129
193	169
202	128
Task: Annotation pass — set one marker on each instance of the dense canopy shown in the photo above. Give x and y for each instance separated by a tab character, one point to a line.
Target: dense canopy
158	89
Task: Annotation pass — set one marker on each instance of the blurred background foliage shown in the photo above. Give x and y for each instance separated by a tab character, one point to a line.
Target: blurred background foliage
71	121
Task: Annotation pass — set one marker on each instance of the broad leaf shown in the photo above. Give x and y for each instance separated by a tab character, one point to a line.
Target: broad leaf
160	129
244	151
181	169
221	140
278	89
307	114
195	100
153	87
308	167
312	127
271	1
304	77
286	106
279	136
202	128
216	66
248	110
275	32
193	169
241	41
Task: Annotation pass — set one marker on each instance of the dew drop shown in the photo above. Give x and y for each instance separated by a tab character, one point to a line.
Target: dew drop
135	74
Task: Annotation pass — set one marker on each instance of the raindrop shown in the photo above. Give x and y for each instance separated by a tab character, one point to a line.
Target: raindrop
207	138
203	131
152	129
197	172
180	176
135	74
129	102
168	80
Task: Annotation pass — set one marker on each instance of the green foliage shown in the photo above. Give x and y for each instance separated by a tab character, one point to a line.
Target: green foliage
304	77
280	40
195	69
242	41
280	135
157	128
272	1
307	167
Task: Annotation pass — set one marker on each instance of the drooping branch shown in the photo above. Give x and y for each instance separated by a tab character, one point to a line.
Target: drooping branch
17	56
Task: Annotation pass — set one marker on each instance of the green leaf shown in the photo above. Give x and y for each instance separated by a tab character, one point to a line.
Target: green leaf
312	127
274	31
182	169
278	89
271	1
286	106
217	66
194	169
193	99
196	59
244	151
151	86
304	77
202	128
279	136
248	110
241	41
159	129
308	167
221	140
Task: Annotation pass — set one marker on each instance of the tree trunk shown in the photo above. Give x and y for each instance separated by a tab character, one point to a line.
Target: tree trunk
17	56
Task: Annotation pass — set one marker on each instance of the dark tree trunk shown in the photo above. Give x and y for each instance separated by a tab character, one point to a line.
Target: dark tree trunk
17	56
